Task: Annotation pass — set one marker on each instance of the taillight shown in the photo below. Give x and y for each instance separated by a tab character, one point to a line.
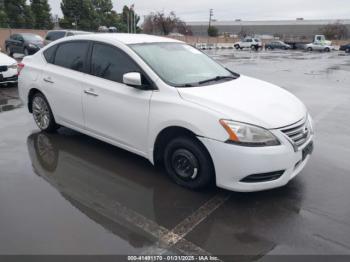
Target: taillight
20	66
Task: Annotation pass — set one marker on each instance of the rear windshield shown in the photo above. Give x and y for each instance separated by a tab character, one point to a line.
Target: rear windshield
52	36
32	37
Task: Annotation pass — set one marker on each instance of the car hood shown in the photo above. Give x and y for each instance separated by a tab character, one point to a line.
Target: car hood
249	100
6	60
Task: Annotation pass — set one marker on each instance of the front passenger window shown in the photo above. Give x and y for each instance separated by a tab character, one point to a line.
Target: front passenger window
110	63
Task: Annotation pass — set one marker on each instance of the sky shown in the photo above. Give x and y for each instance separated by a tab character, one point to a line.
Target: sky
191	10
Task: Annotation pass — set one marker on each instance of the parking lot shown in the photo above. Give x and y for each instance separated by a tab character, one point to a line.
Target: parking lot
67	193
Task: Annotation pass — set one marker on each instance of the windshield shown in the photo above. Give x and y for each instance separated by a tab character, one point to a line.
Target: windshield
181	65
32	37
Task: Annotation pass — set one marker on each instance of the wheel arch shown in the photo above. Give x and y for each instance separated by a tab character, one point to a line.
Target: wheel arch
171	132
31	94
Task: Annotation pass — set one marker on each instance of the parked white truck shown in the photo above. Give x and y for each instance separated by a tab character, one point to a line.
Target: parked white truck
300	42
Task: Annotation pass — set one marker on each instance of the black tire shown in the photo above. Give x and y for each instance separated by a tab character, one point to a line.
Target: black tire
49	126
347	50
237	47
327	50
309	49
9	52
254	47
188	163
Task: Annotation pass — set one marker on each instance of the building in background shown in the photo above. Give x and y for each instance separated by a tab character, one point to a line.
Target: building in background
283	28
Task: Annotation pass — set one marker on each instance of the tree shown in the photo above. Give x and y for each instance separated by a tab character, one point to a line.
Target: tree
243	33
335	31
103	11
3	18
18	13
79	14
42	14
213	31
160	23
129	20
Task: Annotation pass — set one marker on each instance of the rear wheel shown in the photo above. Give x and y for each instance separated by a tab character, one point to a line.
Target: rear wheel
327	49
188	163
309	49
42	113
237	47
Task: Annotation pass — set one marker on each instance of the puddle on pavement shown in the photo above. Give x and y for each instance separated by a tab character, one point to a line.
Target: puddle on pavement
9	104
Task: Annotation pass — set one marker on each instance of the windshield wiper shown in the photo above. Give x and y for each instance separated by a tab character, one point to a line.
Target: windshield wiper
186	85
217	78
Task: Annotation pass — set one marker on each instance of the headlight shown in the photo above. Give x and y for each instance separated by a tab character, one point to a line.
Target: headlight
13	66
248	135
32	46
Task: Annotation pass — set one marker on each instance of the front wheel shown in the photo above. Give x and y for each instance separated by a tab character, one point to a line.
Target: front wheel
309	49
42	113
237	47
327	50
26	52
188	163
9	52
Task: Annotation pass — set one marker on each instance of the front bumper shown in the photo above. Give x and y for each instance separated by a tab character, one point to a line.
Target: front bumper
233	163
9	76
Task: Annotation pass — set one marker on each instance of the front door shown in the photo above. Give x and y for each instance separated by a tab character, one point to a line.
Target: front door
113	110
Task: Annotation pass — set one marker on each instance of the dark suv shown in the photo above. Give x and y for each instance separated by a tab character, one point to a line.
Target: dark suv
345	48
25	43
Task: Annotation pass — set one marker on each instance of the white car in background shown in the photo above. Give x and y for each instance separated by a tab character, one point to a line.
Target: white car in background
172	104
248	42
8	70
318	46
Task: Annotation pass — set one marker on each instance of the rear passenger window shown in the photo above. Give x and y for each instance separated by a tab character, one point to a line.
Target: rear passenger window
72	55
52	36
110	63
49	54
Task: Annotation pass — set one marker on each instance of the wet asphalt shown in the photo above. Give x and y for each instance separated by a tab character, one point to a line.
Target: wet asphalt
66	193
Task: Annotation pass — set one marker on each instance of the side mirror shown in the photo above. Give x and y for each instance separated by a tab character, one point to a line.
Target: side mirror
133	79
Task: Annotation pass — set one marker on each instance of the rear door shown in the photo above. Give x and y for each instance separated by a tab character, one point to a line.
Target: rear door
113	110
63	79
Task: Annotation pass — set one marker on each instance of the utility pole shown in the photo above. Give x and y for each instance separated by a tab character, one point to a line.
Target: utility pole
211	14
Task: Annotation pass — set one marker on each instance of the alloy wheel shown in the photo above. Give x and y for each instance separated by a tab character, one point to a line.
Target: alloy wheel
41	113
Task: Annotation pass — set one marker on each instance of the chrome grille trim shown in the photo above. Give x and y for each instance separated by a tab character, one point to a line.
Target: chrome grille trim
298	134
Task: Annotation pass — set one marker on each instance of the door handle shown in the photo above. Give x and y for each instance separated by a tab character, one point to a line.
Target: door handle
48	80
90	92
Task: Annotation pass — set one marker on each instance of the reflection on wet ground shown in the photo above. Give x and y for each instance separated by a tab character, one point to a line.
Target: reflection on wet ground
66	193
9	98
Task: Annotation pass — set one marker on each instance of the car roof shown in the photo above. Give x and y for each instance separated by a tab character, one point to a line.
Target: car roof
67	30
126	39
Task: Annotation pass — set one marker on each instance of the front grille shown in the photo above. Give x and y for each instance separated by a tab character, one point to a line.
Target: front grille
298	133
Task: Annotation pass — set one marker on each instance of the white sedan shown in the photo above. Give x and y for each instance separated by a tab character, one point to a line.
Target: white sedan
8	70
172	104
319	47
